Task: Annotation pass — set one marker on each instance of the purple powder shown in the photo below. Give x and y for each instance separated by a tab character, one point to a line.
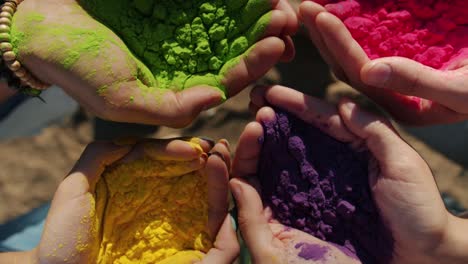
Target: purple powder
319	185
311	251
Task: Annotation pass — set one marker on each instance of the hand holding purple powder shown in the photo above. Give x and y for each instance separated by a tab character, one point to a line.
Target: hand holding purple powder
319	185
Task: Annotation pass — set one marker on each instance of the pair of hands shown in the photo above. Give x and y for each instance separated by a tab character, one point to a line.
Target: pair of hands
74	199
402	186
444	93
53	29
401	183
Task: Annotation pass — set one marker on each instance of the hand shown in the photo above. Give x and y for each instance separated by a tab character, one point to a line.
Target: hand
440	96
401	182
269	241
59	42
74	200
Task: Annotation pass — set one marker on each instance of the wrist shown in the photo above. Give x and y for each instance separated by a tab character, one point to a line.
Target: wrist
454	244
26	257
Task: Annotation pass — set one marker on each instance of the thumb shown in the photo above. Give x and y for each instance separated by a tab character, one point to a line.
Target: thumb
396	159
253	225
409	77
187	104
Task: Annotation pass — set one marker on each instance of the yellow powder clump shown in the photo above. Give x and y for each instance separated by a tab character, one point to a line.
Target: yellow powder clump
152	211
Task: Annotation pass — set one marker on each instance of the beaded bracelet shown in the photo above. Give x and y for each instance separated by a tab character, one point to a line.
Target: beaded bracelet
9	56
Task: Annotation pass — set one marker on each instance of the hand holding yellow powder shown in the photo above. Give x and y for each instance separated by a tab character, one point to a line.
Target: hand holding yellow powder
157	201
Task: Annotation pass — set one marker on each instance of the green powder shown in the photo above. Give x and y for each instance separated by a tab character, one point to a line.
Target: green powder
182	43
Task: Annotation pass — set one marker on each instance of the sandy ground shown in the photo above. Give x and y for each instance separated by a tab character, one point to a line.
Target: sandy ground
31	168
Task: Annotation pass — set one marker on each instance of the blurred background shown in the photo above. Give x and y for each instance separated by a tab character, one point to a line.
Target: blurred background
40	141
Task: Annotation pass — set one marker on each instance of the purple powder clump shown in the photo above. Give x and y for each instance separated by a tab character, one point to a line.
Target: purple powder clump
311	251
319	185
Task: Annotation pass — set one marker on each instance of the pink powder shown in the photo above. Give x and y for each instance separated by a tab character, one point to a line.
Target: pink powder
432	32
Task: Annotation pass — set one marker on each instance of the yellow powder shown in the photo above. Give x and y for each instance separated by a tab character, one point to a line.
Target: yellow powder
151	212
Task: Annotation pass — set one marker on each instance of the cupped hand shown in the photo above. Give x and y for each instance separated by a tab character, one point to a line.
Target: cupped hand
402	184
411	92
69	235
269	241
61	43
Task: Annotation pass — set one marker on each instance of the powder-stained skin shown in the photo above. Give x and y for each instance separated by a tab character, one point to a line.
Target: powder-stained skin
185	43
311	251
152	212
432	32
319	185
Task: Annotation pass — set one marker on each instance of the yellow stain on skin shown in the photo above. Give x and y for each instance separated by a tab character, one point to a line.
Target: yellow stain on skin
149	213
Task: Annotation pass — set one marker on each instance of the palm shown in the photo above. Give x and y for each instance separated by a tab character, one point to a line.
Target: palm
62	44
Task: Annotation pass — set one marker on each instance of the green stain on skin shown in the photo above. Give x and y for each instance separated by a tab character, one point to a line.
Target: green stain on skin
182	43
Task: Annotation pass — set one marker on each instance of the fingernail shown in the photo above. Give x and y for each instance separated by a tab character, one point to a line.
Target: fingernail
378	74
225	143
209	141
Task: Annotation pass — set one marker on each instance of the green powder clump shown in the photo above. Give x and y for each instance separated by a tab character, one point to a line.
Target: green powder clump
185	42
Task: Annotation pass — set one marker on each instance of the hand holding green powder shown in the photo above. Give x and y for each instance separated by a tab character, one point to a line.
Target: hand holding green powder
152	61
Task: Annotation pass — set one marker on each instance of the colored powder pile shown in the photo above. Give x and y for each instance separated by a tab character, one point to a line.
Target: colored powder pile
319	185
185	43
152	212
432	32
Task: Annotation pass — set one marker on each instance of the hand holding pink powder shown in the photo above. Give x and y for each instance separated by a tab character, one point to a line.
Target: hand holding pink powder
404	192
408	56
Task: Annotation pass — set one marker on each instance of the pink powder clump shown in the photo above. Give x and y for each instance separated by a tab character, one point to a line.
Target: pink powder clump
432	32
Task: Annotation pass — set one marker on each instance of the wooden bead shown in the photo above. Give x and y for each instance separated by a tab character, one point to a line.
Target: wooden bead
14	66
4	29
6	14
5	37
11	4
26	77
9	56
6	46
20	73
5	21
8	9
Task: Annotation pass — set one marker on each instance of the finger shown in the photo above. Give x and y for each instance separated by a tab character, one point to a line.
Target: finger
176	150
308	12
218	177
341	45
226	247
250	143
138	103
252	223
290	49
248	151
314	111
258	60
292	24
412	78
187	104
